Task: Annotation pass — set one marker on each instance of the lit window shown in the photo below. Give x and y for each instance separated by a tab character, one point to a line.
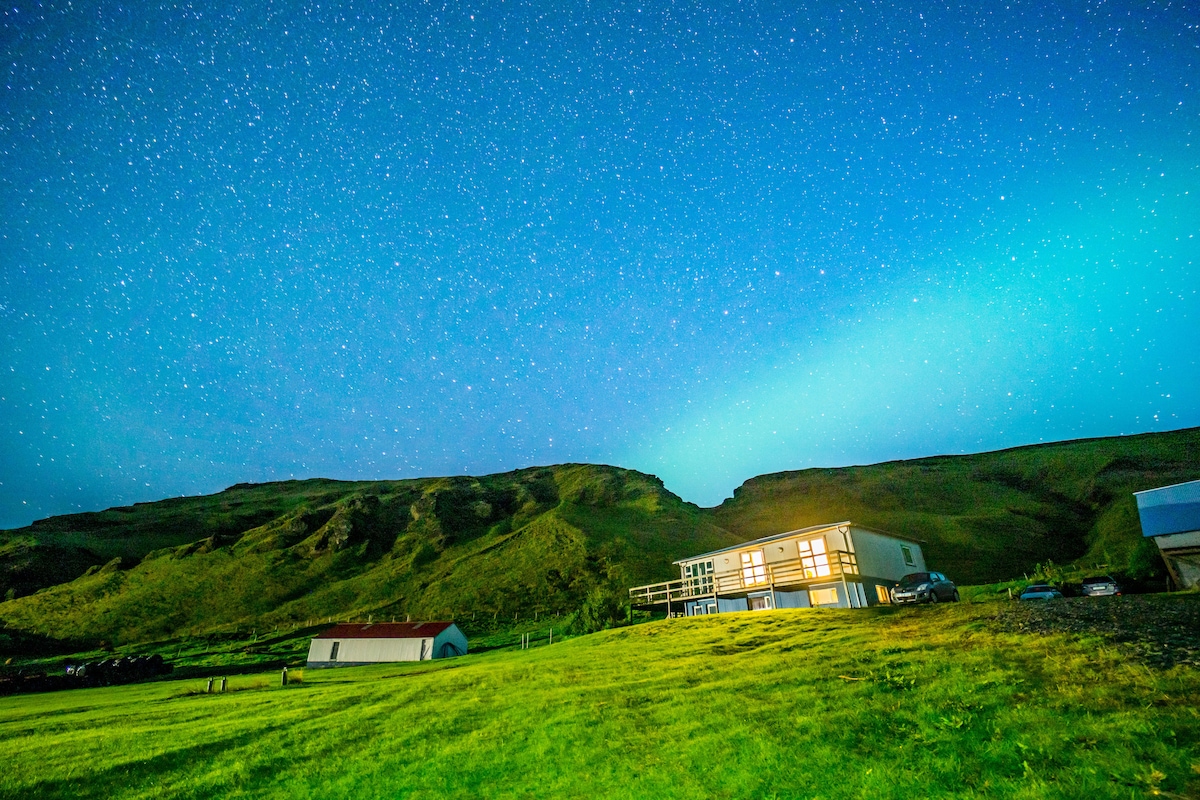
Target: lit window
823	597
908	557
754	571
882	593
814	558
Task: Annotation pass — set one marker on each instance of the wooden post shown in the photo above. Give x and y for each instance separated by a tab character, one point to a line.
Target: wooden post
223	684
552	636
283	677
208	689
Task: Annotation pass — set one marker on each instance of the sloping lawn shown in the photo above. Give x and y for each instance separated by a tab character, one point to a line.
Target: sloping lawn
928	702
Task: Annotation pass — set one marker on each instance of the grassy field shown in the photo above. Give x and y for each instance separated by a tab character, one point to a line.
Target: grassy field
882	703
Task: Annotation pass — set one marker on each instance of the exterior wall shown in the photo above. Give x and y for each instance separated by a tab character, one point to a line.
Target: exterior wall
1177	540
725	604
779	551
869	582
792	599
881	556
367	651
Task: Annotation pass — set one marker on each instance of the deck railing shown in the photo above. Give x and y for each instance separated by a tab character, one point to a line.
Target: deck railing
777	574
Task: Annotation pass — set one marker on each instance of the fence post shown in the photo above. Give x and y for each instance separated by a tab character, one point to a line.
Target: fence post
283	677
208	689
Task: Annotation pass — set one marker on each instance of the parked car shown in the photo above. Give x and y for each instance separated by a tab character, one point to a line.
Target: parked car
924	587
1099	586
1040	591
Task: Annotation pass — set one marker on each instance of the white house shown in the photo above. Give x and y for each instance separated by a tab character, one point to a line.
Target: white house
1171	516
840	565
355	644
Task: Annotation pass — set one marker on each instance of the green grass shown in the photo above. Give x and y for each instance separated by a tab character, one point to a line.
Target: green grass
881	703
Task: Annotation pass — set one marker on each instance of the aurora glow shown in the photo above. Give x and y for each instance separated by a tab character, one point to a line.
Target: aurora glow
271	240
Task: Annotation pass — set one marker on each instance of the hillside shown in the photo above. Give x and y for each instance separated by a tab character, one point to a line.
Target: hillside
547	540
990	516
550	540
939	702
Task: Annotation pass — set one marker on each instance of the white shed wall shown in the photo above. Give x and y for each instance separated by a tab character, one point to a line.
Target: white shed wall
355	651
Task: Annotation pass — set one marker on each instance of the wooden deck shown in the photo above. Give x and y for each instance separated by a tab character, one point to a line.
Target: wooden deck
788	575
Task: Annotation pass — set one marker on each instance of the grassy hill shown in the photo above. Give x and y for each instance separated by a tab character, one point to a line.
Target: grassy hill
553	540
885	703
535	541
990	516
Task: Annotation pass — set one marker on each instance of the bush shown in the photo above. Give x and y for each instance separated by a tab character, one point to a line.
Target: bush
602	608
1146	563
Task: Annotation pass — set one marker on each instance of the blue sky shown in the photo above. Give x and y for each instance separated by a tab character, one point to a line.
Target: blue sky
260	241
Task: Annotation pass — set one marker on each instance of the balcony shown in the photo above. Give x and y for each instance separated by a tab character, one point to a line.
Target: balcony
790	574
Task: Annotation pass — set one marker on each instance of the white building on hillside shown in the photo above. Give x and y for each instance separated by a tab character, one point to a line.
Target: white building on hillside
841	565
356	644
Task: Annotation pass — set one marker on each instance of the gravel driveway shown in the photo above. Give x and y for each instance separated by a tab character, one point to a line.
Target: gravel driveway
1162	630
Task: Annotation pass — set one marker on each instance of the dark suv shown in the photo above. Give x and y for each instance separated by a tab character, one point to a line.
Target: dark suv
924	587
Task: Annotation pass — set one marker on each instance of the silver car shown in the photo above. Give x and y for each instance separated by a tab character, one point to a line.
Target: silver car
924	587
1100	586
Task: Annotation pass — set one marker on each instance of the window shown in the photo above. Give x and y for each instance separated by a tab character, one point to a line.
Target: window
754	571
908	557
333	651
882	593
813	558
698	578
760	603
823	597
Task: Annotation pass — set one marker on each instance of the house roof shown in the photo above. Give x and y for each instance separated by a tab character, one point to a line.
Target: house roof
384	630
1169	509
799	532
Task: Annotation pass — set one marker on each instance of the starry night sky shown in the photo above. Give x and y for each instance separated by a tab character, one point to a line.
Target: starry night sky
249	242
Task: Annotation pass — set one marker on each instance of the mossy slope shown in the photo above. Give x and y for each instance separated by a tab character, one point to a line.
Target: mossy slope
537	540
984	517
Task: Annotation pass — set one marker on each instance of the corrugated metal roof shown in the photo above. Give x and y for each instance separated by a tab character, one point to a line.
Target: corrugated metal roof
799	532
384	630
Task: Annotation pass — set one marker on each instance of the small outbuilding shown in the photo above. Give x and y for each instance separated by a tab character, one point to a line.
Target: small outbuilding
1171	517
357	644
